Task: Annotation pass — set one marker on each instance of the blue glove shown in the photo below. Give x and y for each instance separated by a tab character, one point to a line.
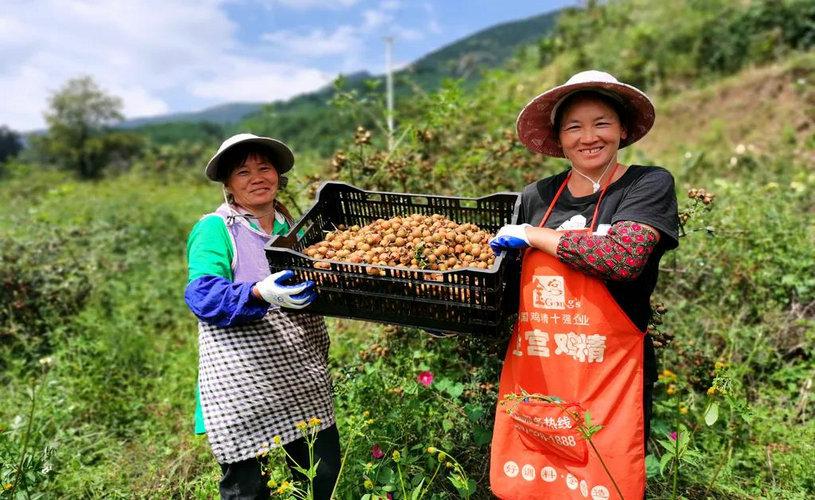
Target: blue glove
510	236
275	292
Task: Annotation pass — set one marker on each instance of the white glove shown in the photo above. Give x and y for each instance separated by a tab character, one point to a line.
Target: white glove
510	236
275	292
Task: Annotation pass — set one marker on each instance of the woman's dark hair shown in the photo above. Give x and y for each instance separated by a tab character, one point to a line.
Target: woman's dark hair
614	104
237	155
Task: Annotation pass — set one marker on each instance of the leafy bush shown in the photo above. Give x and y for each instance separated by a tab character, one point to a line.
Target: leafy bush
42	288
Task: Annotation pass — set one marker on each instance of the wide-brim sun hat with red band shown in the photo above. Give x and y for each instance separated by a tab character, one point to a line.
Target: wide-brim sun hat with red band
535	124
281	155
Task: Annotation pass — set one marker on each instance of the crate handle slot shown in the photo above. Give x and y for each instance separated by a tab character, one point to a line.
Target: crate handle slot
304	230
420	200
468	203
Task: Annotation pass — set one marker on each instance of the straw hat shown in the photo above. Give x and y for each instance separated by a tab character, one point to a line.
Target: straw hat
535	123
281	156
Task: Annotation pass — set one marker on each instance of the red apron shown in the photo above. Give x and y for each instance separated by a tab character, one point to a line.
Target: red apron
571	341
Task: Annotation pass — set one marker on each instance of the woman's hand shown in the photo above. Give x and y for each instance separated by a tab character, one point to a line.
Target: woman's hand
273	291
523	236
510	236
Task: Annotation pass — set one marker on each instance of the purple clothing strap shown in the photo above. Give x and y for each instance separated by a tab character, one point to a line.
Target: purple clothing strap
248	243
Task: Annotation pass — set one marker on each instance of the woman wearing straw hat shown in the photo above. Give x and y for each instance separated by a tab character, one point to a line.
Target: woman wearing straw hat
594	235
262	369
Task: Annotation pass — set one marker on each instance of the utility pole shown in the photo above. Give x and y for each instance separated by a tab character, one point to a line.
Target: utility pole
389	85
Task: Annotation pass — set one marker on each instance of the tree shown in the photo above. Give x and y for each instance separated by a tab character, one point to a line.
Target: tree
79	128
10	143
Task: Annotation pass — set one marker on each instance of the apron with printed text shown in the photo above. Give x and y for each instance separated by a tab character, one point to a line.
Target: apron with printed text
573	344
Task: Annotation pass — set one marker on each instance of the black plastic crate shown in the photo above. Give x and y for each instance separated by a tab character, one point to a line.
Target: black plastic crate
467	301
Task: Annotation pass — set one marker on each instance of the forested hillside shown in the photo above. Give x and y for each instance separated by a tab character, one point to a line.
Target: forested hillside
98	352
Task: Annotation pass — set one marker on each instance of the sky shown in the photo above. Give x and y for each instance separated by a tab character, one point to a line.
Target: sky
167	56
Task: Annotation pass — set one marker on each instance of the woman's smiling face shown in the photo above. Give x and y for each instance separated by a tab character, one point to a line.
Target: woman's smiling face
254	184
590	133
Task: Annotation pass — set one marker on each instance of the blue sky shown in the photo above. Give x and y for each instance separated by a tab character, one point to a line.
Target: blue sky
163	56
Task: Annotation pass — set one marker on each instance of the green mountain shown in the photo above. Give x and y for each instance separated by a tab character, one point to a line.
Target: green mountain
488	48
221	114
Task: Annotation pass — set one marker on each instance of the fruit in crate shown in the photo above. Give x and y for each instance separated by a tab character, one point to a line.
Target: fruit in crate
417	241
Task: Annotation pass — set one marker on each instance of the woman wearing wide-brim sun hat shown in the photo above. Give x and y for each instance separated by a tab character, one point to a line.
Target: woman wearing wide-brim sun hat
262	369
593	236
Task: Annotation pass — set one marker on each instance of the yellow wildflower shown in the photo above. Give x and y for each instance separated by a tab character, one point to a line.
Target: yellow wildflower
711	391
431	449
314	422
369	485
370	421
276	440
301	425
671	389
683	411
7	486
366	413
449	465
396	456
272	483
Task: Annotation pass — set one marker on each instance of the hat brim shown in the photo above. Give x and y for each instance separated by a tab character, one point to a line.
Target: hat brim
534	124
282	156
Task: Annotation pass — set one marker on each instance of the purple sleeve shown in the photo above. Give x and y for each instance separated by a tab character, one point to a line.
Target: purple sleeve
220	302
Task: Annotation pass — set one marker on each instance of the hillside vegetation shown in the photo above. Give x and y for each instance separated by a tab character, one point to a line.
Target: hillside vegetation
98	353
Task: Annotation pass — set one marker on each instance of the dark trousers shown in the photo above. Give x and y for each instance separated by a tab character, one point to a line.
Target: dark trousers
243	480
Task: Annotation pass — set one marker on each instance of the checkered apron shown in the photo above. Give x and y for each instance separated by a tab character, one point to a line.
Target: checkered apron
258	380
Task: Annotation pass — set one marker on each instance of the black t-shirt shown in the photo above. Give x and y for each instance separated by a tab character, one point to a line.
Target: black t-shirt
643	194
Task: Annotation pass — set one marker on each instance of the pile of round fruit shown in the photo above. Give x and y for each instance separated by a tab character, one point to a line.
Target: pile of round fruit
414	241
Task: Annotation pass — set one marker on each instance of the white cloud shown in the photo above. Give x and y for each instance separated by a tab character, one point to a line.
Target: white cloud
391	5
315	43
373	19
132	49
401	33
432	22
139	102
23	111
145	52
248	80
